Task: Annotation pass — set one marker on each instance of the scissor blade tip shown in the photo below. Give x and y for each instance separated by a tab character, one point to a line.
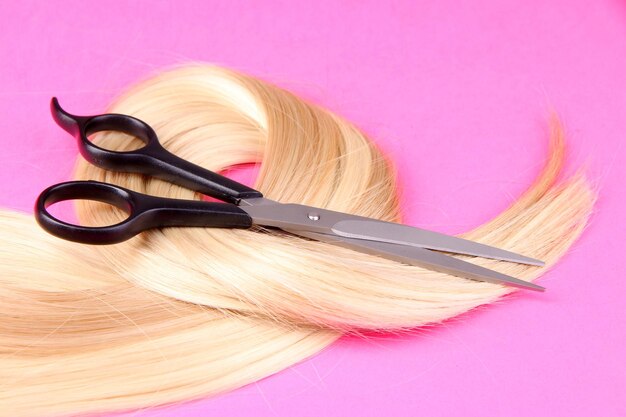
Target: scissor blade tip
534	287
536	262
525	261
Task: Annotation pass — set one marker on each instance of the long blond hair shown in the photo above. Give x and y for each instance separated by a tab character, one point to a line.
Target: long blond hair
176	313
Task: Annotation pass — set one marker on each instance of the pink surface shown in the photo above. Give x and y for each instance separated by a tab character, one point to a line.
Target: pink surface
457	93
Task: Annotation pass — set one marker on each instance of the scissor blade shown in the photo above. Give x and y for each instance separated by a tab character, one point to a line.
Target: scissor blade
413	236
300	218
424	258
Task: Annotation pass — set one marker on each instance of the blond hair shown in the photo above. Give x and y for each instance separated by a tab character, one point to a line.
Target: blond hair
176	313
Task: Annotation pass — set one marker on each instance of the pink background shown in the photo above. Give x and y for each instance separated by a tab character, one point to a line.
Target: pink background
457	93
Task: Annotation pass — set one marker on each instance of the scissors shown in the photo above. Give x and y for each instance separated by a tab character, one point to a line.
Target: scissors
242	207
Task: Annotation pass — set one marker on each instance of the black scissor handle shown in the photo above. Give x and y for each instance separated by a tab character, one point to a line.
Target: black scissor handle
144	212
151	159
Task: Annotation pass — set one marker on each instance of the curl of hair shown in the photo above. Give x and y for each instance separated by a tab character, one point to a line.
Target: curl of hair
175	313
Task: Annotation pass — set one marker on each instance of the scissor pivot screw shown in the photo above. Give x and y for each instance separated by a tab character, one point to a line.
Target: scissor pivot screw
314	216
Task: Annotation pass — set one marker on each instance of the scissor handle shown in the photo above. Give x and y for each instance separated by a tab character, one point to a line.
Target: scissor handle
144	212
151	159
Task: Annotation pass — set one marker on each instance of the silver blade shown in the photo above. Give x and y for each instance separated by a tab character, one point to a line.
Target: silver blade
412	236
424	258
300	218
